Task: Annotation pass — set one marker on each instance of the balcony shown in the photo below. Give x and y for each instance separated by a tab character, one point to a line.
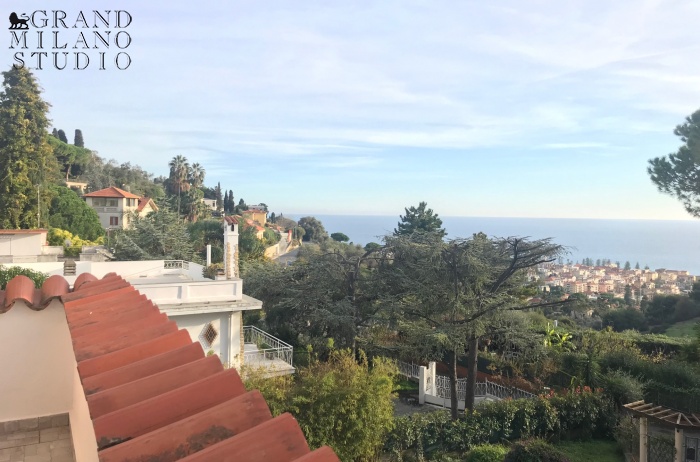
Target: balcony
264	352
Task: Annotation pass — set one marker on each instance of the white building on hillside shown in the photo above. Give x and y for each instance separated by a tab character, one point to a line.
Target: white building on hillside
210	310
115	206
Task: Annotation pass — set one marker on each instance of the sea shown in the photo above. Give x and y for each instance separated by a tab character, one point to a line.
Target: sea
655	243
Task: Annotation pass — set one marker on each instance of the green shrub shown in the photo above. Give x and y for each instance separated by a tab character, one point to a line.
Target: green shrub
6	275
580	414
486	453
534	451
622	387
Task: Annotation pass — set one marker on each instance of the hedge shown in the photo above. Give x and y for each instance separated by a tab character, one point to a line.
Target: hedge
576	415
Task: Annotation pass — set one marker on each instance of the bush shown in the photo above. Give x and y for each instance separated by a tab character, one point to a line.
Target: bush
622	387
534	451
580	414
6	275
72	243
486	453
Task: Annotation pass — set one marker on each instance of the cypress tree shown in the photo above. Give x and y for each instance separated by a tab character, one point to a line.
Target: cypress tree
78	139
219	199
25	155
62	136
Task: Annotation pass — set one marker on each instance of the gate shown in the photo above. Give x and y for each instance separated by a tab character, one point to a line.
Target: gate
692	449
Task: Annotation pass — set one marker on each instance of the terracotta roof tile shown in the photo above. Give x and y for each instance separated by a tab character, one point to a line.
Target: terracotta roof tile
231	220
151	392
112	192
23	231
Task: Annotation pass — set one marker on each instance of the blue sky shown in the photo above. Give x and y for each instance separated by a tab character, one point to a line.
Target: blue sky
530	109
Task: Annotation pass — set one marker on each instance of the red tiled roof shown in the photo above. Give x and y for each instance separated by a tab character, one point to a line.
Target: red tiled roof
143	201
112	192
23	231
151	392
231	220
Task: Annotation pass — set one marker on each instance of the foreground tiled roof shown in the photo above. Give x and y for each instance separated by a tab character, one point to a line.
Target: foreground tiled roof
152	393
112	192
23	231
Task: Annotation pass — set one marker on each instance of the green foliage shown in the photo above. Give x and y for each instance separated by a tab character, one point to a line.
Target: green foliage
100	174
622	387
25	156
78	138
270	237
419	220
72	244
340	237
596	450
577	415
313	229
160	235
61	135
72	160
625	319
534	451
69	212
678	174
6	275
486	453
250	247
343	403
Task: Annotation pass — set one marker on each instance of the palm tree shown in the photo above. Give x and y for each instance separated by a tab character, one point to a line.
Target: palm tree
197	175
179	172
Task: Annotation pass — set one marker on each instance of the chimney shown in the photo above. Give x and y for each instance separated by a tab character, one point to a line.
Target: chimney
231	247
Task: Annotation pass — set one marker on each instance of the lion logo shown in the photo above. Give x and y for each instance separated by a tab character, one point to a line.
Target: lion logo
17	22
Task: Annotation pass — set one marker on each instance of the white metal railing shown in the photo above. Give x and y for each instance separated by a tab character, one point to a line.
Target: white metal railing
269	348
409	370
485	388
176	264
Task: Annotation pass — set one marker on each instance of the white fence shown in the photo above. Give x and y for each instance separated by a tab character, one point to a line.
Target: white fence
435	389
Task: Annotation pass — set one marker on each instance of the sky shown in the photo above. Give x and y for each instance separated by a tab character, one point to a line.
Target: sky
509	108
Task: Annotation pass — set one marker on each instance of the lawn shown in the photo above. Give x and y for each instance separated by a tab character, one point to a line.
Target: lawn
596	450
682	329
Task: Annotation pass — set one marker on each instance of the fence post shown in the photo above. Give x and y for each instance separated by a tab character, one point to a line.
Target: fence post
643	440
679	445
422	382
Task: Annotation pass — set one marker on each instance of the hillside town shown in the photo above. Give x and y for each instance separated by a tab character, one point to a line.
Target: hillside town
611	279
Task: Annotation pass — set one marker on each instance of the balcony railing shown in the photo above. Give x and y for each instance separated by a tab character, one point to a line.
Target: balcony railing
268	349
176	264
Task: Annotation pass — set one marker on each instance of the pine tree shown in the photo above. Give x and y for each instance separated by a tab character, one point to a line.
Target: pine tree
25	156
419	220
78	139
62	136
636	266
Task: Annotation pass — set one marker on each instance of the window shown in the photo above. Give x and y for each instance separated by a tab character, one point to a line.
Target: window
209	334
111	202
99	201
113	221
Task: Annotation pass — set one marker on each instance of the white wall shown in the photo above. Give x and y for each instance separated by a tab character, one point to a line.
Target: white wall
37	363
19	245
82	431
227	343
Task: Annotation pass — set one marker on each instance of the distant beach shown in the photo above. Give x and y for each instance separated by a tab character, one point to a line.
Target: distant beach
657	243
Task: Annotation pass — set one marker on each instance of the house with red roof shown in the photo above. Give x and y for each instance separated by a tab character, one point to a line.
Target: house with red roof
115	207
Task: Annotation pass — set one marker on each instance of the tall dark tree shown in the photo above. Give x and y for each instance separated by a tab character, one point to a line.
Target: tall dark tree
25	155
231	202
78	139
678	174
419	220
54	133
62	136
219	199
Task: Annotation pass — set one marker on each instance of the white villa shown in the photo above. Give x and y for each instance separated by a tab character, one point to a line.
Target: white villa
27	246
114	206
